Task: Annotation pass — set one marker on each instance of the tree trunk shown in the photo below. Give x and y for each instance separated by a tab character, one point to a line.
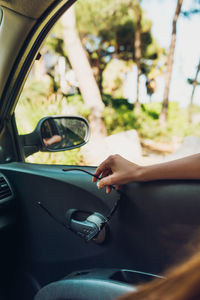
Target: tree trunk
79	62
193	90
101	80
170	61
138	52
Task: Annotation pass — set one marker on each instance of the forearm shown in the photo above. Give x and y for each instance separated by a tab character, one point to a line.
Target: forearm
116	170
184	168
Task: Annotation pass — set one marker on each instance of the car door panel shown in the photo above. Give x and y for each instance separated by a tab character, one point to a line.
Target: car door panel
146	233
45	242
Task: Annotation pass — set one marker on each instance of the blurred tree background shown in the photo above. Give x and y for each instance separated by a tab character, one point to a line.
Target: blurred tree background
84	64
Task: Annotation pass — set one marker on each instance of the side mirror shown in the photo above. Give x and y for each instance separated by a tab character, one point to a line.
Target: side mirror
56	133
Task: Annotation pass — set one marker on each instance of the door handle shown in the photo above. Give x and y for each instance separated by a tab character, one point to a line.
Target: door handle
88	227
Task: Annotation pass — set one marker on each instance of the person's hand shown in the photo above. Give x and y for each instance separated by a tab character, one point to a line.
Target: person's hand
116	170
52	140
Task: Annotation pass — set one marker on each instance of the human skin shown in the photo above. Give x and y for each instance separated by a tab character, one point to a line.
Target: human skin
52	140
116	170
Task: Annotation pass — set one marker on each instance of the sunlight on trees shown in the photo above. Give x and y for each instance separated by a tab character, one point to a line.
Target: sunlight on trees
89	56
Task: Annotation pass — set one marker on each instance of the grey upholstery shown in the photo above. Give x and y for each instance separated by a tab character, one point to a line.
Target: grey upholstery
28	8
14	29
84	289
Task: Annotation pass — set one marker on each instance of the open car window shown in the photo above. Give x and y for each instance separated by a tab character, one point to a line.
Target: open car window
124	110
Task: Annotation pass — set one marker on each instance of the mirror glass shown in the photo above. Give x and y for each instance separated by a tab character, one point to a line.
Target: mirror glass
64	133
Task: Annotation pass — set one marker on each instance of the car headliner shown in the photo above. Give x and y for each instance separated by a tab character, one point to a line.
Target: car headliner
17	19
31	9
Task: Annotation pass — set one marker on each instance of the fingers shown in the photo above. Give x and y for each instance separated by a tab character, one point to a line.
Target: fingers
106	181
117	187
105	172
108	189
99	170
105	165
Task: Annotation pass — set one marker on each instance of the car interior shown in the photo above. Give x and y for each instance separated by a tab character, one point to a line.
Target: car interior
61	237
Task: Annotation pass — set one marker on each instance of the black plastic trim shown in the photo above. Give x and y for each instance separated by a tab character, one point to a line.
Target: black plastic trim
1	15
5	200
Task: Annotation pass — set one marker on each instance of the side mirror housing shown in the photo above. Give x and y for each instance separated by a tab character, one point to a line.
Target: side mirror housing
56	133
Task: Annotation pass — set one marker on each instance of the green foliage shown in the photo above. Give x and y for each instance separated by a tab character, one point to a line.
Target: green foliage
95	16
125	35
192	81
36	102
119	120
107	29
55	42
72	157
119	116
113	24
113	77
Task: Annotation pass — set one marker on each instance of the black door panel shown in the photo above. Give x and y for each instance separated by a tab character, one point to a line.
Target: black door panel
166	202
147	232
49	249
